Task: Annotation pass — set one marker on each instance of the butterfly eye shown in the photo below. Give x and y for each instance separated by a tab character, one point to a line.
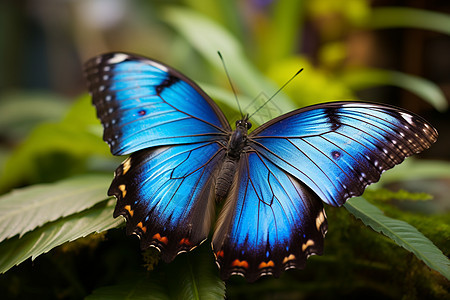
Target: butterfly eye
249	125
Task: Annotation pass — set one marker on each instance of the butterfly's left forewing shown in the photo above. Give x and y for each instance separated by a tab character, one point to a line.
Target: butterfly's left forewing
270	222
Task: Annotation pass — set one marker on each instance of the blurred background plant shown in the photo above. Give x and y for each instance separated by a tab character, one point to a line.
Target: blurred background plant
386	51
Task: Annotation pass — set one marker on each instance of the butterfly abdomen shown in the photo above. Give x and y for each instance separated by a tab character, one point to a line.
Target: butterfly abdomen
225	177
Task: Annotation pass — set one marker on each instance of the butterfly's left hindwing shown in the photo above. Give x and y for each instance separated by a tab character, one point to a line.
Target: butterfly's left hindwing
270	222
165	195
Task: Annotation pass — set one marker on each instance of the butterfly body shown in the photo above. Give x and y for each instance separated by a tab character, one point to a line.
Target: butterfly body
184	156
235	146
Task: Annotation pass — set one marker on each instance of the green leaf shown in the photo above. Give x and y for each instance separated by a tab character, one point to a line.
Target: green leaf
96	219
224	12
312	86
191	275
197	274
283	29
55	150
208	37
414	169
401	233
388	195
388	17
21	111
25	209
365	78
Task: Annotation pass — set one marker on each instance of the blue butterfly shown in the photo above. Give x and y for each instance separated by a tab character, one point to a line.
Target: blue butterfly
185	157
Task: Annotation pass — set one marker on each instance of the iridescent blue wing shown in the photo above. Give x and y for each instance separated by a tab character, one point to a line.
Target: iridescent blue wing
165	194
339	148
143	103
270	222
176	135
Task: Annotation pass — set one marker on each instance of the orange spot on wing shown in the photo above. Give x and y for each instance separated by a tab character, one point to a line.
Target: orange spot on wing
307	244
185	241
160	238
130	211
240	264
141	226
123	189
289	258
219	253
269	264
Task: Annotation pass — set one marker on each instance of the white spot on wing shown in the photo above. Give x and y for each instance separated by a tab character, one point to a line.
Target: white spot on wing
159	66
357	105
117	58
407	117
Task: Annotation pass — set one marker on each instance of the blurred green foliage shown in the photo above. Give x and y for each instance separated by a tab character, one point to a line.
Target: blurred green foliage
45	137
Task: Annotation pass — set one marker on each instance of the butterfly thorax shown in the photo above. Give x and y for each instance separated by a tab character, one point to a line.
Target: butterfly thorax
236	143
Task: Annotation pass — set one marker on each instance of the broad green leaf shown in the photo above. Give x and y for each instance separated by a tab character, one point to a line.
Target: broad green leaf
96	219
198	277
225	96
51	151
208	37
388	17
21	111
388	195
55	150
310	87
224	12
82	113
414	169
365	78
192	275
401	233
25	209
282	28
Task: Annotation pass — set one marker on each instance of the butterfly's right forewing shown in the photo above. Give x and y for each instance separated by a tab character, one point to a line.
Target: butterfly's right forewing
143	103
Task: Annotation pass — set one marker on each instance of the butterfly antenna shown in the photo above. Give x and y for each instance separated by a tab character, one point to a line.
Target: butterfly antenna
279	90
231	84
